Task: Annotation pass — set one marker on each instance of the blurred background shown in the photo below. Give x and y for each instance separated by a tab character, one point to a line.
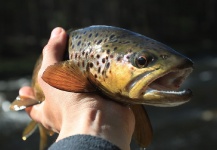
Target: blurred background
187	26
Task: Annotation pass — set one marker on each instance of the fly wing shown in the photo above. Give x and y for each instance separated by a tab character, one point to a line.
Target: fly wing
143	131
68	77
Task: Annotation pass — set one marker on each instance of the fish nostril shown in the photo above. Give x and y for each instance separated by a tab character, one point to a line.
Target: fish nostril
164	56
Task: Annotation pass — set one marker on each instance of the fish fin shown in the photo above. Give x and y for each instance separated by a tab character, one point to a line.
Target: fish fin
31	127
50	132
68	77
22	102
143	131
43	137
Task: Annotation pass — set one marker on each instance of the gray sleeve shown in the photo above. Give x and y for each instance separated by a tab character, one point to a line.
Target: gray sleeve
83	142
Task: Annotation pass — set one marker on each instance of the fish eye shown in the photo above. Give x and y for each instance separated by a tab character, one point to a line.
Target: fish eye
142	59
141	62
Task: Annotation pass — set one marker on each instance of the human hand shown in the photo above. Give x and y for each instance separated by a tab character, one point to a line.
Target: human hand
70	113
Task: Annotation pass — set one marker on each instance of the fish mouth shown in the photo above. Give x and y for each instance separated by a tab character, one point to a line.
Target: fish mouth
161	86
164	90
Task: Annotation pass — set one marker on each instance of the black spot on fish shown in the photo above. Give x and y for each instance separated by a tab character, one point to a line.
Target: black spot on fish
76	55
87	67
73	46
91	56
91	65
96	34
112	36
95	75
108	51
98	56
99	42
111	56
83	53
78	64
105	40
130	50
128	57
106	45
79	42
97	63
107	65
118	58
106	57
99	69
76	37
88	44
90	35
83	64
85	32
103	60
86	54
79	37
103	72
115	48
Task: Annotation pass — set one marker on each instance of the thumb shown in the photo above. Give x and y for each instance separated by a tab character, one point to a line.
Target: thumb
53	52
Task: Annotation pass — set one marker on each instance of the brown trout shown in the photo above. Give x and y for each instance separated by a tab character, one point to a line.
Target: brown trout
124	66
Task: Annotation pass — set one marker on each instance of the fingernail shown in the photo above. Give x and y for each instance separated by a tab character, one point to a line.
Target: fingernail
55	32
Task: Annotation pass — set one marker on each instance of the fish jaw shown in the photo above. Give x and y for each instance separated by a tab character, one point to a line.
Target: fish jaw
164	91
160	86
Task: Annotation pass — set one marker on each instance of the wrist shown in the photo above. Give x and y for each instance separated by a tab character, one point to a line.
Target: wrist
110	123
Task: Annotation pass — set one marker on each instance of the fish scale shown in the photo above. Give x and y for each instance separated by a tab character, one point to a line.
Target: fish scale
122	65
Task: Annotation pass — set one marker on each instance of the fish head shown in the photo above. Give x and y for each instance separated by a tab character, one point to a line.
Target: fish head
158	72
145	71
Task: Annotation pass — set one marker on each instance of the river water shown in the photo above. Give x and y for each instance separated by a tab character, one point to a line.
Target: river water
192	126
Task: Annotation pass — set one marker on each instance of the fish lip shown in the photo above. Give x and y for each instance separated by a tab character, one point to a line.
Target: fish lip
163	89
169	80
161	86
168	98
